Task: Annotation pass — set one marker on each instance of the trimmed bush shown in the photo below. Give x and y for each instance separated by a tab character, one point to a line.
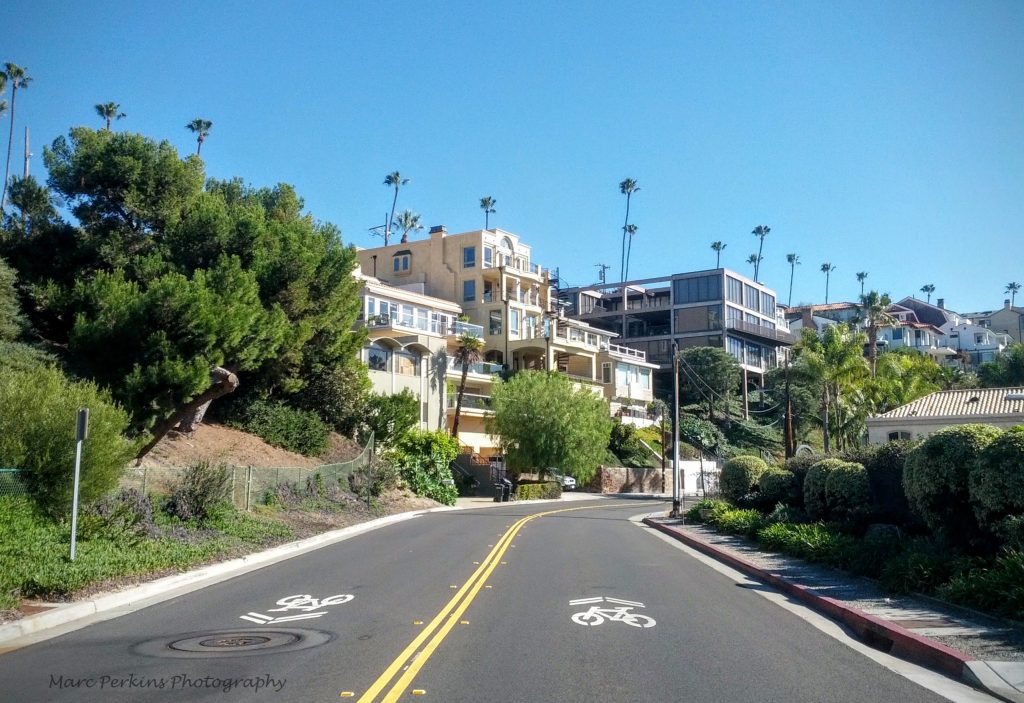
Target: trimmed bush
936	478
37	435
885	474
996	484
539	491
739	476
815	499
693	514
847	492
778	486
283	426
738	522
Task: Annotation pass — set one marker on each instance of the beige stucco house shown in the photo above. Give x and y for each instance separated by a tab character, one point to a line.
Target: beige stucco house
1002	407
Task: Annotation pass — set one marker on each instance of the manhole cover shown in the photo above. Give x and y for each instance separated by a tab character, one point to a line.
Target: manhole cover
233	643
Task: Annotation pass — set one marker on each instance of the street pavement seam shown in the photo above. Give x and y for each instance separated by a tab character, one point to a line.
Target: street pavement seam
888	637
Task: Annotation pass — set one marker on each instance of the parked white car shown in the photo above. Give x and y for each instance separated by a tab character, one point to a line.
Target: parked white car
568	482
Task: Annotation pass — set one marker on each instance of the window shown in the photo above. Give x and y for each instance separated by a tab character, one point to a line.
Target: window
488	257
488	292
407	363
513	322
894	436
699	319
736	348
424	409
897	333
697	289
468	257
606	372
469	291
400	263
371	307
407	316
494	326
377	357
645	379
751	299
767	303
735	291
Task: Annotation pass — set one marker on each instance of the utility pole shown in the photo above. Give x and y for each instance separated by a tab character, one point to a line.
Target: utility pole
603	275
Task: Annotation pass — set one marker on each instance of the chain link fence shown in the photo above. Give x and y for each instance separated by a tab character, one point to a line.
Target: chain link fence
249	484
11	484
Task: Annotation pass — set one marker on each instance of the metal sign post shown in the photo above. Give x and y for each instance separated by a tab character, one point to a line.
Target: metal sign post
677	489
81	432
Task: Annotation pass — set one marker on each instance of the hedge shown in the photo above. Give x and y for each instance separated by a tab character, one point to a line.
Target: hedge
539	491
815	500
778	486
739	476
847	492
996	484
936	479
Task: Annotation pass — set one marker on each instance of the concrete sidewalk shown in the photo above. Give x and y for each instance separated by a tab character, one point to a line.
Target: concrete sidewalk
971	647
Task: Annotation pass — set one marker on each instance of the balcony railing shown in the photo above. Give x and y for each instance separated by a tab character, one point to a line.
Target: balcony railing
419	325
483	367
760	331
462	328
470	401
619	350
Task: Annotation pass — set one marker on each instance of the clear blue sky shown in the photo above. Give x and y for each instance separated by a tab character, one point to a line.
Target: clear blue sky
885	137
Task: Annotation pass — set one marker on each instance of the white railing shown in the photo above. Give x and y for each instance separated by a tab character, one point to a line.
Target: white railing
462	328
620	350
483	367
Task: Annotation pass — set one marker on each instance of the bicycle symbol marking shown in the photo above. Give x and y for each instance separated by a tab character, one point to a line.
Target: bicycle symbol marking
301	602
621	611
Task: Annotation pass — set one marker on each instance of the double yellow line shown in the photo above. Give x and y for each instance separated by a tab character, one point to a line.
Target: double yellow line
420	649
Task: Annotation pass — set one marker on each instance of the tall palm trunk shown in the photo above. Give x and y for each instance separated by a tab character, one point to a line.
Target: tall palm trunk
458	401
826	287
10	143
387	238
622	259
487	219
872	347
824	420
718	259
792	272
199	145
757	266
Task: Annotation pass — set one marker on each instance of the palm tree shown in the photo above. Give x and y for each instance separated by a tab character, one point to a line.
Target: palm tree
754	259
717	248
861	276
928	290
874	315
408	221
793	260
630	230
393	180
487	205
201	128
110	112
827	269
468	353
627	188
836	361
1012	289
761	231
18	78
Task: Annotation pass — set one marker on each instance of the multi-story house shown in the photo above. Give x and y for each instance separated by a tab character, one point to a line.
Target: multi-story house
716	308
408	338
1008	320
491	275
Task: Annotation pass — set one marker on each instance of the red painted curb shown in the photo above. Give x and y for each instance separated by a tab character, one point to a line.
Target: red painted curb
883	635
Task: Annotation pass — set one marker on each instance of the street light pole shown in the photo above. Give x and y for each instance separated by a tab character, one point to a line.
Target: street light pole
677	490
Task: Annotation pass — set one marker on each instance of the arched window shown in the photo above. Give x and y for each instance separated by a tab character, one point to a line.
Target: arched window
377	357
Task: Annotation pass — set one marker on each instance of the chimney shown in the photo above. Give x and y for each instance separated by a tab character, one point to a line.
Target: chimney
439	229
1006	304
807	317
941	302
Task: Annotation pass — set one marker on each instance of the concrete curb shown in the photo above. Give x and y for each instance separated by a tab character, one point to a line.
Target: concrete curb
179	584
874	631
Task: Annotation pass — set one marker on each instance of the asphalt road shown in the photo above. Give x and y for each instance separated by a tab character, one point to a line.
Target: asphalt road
467	606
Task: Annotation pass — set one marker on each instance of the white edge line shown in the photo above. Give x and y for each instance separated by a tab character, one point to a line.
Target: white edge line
298	617
258	622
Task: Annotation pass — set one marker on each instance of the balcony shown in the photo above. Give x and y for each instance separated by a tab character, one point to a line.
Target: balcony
482	368
624	352
403	324
462	328
470	402
775	335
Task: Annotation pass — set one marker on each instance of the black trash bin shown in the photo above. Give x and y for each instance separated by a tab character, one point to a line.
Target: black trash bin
499	490
506	490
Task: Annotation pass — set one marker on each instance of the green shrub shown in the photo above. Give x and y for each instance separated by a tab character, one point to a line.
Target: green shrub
424	462
37	435
997	588
847	492
539	491
777	486
738	522
202	490
936	478
625	443
922	566
814	542
693	514
381	474
885	474
22	357
283	426
739	476
799	466
815	499
996	484
126	517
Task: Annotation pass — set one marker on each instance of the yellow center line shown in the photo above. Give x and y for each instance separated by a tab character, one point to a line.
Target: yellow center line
452	611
